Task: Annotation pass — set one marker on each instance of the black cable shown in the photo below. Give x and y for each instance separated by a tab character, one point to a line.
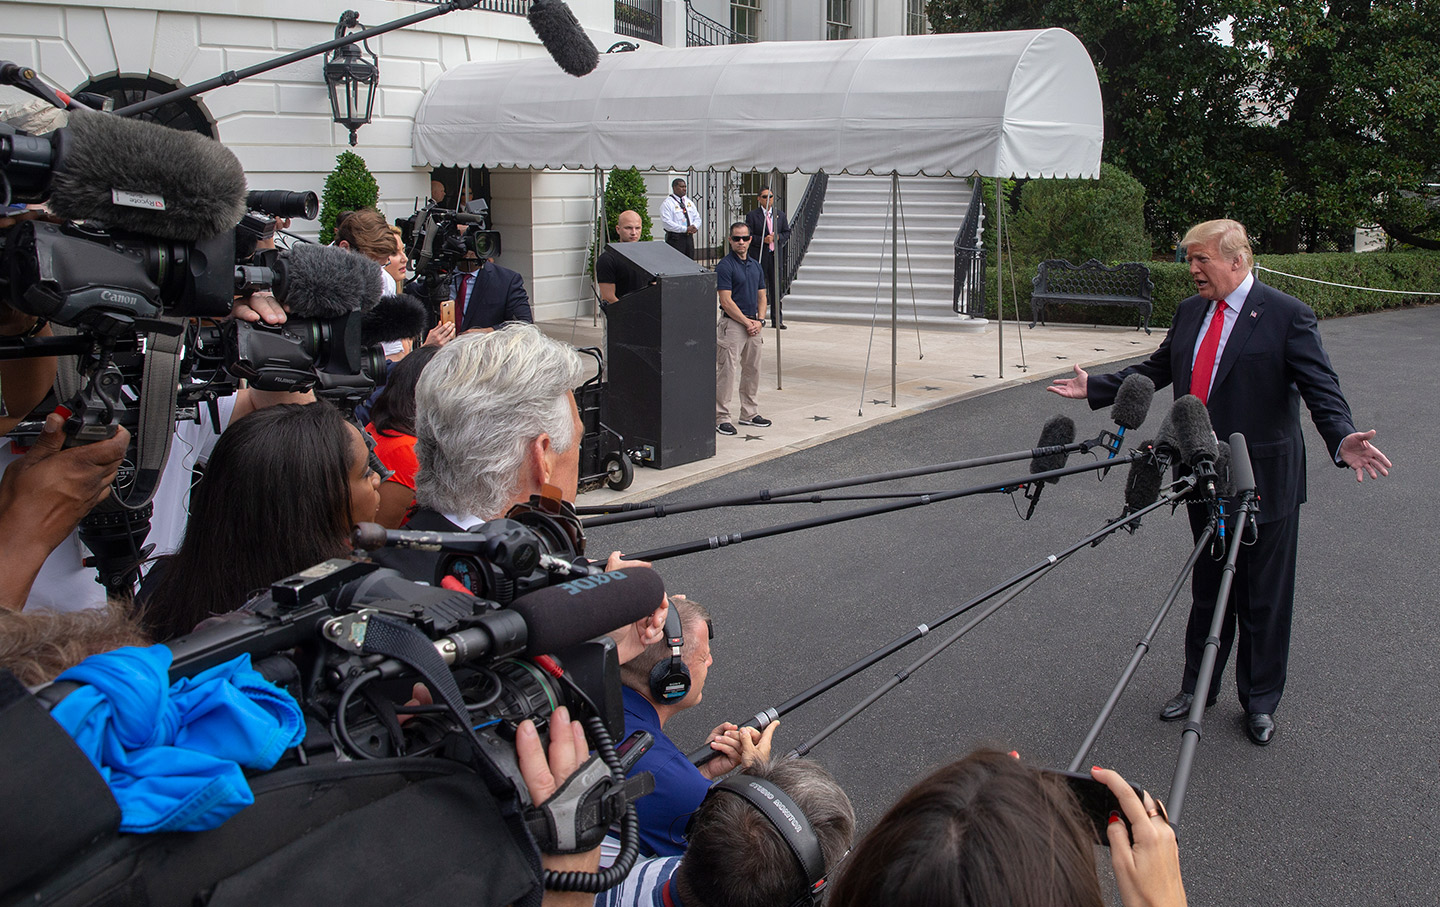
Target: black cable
337	723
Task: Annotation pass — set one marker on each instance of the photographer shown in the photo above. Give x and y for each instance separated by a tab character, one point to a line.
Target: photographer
680	786
987	831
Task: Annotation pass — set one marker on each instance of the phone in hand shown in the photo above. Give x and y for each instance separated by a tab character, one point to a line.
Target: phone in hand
1097	801
447	311
633	747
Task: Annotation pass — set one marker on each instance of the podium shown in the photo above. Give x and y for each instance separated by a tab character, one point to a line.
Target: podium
660	358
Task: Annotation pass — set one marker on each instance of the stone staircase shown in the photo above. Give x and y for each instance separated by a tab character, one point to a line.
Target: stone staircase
847	267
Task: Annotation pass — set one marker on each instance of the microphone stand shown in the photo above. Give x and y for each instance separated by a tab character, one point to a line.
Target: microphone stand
622	513
1141	648
721	541
233	76
1025	577
1246	510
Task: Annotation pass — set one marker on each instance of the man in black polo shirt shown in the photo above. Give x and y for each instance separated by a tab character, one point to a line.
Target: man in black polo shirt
616	276
741	285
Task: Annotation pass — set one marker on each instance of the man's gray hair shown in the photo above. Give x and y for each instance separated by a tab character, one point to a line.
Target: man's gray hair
479	404
736	858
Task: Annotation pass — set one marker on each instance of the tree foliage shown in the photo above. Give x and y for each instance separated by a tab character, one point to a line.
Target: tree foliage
1079	219
1319	116
349	186
625	191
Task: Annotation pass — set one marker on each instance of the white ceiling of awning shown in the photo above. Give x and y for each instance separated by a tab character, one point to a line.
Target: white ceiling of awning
1023	103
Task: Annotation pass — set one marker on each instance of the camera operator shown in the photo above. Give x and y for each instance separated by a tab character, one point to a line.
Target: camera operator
496	423
737	857
680	786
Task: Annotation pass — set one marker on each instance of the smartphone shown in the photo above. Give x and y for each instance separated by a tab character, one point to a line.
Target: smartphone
632	748
1097	802
447	311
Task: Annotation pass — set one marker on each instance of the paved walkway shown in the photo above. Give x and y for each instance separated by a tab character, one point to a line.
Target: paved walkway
828	392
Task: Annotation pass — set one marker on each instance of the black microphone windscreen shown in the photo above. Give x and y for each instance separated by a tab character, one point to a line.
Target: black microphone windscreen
558	29
326	281
1058	431
1242	475
1132	401
395	318
1194	436
121	171
1142	485
559	617
1223	486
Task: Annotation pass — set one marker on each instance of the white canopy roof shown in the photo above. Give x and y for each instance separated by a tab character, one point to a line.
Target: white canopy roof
1023	103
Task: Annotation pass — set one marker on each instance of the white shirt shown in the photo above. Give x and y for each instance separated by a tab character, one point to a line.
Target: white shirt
1233	304
672	214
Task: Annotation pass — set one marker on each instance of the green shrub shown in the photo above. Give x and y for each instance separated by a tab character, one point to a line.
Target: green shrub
625	191
1416	270
349	186
1081	219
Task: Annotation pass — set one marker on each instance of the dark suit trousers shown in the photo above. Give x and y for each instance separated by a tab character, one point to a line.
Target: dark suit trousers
685	242
772	289
1262	601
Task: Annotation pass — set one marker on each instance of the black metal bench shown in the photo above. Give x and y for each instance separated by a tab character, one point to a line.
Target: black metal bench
1092	284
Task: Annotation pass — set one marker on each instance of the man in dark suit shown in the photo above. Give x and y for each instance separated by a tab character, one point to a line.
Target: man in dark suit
771	229
1251	354
487	295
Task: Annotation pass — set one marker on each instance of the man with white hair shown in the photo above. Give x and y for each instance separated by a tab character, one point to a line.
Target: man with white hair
496	423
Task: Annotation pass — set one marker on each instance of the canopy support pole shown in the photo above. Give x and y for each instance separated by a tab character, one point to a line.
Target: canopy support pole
775	278
894	283
1000	272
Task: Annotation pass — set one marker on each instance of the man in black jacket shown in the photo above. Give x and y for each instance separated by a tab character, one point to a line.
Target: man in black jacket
771	229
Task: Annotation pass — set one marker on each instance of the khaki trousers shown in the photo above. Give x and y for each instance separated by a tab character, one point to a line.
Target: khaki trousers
732	345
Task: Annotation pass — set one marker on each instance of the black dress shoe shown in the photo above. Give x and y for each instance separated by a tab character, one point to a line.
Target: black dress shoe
1179	706
1261	728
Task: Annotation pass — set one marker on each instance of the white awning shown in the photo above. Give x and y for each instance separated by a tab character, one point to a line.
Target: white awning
1023	103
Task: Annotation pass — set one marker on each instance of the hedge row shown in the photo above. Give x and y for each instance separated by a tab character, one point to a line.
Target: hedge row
1409	271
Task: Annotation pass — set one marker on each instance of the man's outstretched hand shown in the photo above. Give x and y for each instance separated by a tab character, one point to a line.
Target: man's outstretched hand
1074	388
1362	456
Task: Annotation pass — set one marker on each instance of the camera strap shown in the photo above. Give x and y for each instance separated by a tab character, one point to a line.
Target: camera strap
157	416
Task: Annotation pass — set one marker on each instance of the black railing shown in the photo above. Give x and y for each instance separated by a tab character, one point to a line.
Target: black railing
510	7
639	19
702	31
970	259
803	219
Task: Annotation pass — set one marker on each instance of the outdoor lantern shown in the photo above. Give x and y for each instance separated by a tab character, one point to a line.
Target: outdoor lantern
348	73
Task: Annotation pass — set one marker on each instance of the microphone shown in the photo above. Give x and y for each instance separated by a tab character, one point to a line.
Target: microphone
1195	438
1132	405
558	29
1242	474
144	177
1224	487
1142	484
565	615
1049	454
326	281
394	318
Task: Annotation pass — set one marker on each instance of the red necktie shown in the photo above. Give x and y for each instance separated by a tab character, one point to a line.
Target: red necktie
1204	371
464	298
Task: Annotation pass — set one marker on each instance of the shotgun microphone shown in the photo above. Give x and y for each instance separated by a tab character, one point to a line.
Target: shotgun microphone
1196	440
557	28
1132	405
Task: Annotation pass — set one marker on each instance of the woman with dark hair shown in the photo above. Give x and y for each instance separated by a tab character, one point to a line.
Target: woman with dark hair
988	831
281	492
392	425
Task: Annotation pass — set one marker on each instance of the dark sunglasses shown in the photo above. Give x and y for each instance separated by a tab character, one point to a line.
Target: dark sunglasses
739	239
766	195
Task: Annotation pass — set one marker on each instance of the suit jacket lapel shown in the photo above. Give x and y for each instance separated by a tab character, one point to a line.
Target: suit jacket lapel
1250	315
1187	330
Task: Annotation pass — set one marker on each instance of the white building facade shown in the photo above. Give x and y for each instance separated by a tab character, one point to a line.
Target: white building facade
279	123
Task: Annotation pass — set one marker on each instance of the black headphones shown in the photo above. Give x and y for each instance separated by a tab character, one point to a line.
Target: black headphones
789	820
670	678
